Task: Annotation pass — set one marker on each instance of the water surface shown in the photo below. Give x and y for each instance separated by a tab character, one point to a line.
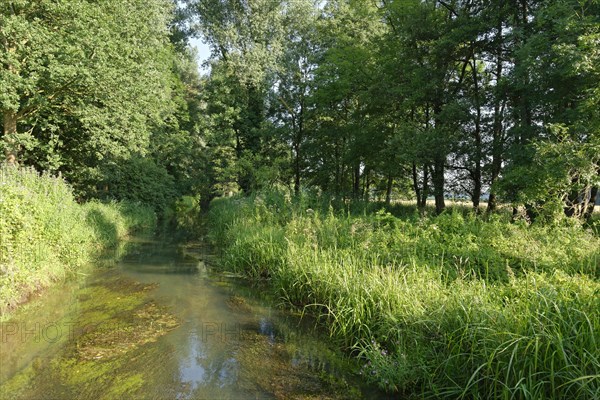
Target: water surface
161	324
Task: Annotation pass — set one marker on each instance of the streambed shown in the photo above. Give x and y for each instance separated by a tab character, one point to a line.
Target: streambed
160	324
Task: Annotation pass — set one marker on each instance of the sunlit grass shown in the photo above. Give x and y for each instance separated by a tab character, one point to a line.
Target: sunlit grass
455	306
45	235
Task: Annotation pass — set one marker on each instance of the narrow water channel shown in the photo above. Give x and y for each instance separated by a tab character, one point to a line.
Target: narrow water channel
161	325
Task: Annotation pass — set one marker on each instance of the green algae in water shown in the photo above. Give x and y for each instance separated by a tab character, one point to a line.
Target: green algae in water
128	344
125	387
286	379
18	385
114	318
76	372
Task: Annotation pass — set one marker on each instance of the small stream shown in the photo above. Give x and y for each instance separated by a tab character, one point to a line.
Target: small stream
160	324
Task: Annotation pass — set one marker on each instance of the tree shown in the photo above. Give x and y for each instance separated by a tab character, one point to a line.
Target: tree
294	82
82	80
246	40
429	51
353	97
344	149
554	98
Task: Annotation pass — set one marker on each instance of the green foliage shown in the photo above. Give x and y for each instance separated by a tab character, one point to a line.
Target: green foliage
96	91
187	214
553	161
83	79
361	99
447	307
561	175
113	221
45	235
139	179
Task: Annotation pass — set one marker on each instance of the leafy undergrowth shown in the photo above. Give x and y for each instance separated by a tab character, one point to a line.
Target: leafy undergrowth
437	307
45	235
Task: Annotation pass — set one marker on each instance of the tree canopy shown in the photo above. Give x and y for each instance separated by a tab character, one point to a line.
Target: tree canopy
494	101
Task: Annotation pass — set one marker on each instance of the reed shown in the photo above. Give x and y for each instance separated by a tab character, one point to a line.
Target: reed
453	306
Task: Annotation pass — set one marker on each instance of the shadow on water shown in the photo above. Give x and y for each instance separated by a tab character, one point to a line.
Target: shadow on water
164	325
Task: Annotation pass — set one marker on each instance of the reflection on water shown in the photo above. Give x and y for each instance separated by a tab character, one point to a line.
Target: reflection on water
191	369
266	328
198	371
183	332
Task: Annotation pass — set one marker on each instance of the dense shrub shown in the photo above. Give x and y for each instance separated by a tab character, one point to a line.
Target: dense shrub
187	214
139	179
444	307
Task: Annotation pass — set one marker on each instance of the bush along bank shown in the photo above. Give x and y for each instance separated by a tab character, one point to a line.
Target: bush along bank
45	235
434	307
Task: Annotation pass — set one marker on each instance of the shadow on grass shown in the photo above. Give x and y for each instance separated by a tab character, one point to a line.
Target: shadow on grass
104	227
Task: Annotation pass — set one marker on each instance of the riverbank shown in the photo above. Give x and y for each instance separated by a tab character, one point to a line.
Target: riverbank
46	236
453	306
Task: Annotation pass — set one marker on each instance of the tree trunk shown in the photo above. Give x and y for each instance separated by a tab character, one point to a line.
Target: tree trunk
416	184
297	169
356	188
492	202
497	127
338	169
390	182
439	161
496	168
425	191
367	184
477	138
11	150
592	204
476	187
344	180
477	172
438	184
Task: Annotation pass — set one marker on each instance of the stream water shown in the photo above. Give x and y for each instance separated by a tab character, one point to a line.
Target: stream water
160	324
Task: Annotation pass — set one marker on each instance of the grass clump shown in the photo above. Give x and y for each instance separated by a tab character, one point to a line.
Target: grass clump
452	306
45	235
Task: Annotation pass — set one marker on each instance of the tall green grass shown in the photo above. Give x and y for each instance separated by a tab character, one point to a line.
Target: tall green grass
436	307
45	235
